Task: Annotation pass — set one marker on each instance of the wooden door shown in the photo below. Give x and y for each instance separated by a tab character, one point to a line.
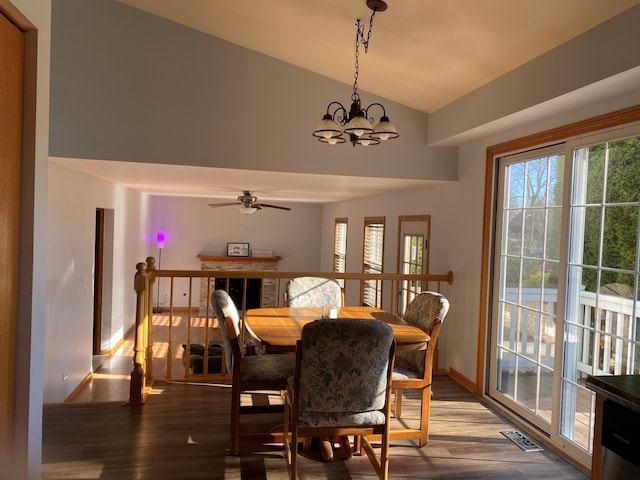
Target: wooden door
11	114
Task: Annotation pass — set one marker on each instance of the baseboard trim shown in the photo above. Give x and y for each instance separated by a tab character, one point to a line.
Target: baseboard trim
462	380
76	391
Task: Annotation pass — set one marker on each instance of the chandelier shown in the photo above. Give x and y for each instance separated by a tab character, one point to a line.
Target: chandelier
356	124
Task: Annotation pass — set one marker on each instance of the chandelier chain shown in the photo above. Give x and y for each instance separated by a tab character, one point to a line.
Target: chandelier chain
365	41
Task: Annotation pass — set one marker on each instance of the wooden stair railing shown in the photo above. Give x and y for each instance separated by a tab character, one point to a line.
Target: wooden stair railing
146	275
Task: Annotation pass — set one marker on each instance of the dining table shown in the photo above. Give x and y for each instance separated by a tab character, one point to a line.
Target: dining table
277	329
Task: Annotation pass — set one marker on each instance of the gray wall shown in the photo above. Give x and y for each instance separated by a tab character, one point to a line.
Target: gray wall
129	86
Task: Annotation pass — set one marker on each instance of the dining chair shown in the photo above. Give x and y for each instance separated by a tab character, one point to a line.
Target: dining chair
313	292
341	387
414	368
251	373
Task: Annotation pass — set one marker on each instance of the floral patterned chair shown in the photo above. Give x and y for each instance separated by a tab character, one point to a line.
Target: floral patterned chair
414	368
248	373
341	387
313	292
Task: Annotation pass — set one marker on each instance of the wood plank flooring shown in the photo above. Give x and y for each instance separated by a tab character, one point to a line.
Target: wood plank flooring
182	432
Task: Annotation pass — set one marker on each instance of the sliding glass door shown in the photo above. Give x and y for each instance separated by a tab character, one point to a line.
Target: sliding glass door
526	291
566	280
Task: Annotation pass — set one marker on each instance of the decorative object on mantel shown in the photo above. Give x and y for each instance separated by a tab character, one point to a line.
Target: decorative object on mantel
237	249
357	123
248	203
262	253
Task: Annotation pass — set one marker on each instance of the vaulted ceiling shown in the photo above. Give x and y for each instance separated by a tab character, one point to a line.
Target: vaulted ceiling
422	53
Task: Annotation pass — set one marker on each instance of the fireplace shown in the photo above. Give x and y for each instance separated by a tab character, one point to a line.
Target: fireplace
236	290
261	293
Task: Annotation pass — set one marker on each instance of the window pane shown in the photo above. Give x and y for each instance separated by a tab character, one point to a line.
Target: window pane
340	246
623	171
371	290
513	232
534	233
619	237
595	176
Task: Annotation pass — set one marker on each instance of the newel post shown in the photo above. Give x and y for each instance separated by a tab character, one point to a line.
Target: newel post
136	385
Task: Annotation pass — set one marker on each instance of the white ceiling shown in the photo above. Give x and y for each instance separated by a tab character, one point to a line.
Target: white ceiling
422	53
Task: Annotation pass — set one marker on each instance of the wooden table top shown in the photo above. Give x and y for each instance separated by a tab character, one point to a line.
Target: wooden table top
278	329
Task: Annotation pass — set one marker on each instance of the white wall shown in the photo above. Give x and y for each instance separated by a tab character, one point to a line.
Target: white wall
72	202
193	228
454	237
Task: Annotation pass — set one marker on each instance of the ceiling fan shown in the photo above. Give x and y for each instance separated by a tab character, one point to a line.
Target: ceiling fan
248	203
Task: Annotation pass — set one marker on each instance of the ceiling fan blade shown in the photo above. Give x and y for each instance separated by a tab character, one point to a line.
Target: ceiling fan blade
224	204
258	205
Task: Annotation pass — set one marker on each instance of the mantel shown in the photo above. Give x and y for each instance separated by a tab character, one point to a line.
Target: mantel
211	258
267	287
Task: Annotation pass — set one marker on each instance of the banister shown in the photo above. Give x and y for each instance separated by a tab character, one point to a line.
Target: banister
147	275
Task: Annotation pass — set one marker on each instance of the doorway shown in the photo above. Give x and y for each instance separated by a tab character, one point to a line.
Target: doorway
102	284
413	255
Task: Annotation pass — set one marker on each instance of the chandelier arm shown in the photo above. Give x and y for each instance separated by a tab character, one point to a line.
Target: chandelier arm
366	111
339	114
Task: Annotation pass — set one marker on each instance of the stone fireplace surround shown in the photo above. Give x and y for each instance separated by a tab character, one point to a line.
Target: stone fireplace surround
247	264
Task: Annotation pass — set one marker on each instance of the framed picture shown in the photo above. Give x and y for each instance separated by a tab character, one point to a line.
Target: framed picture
237	249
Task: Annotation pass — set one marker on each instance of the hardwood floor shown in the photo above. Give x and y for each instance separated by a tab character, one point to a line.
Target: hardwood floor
182	433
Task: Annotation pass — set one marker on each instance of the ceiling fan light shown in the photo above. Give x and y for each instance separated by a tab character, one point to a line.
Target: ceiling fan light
327	128
247	210
385	130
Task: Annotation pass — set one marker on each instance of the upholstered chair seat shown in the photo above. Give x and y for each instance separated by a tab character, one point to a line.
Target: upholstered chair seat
251	373
341	387
413	369
262	368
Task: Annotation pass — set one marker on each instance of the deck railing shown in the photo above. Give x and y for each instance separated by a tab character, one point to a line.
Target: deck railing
186	326
598	342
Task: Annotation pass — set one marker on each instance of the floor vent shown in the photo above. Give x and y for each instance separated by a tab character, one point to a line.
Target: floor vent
521	440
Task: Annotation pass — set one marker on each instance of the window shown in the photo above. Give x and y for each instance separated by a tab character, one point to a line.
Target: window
340	246
371	290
